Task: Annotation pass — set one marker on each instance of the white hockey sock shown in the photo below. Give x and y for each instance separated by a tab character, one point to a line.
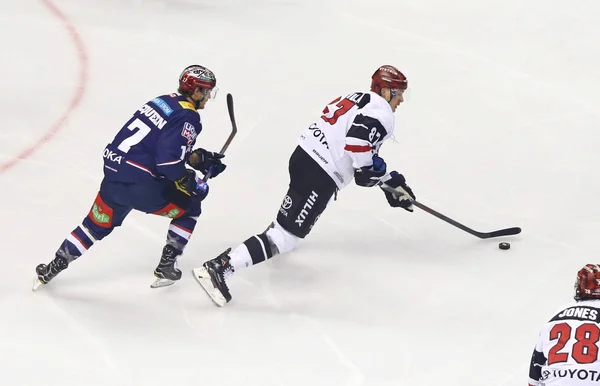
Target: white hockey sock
240	257
262	247
253	251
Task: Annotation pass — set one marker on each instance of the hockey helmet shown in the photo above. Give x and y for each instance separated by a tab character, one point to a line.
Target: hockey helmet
195	76
587	285
390	77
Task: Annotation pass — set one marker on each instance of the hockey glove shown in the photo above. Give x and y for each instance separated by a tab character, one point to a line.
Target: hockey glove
204	160
370	175
191	185
403	196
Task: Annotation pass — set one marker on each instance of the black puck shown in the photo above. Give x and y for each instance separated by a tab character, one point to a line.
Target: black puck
504	246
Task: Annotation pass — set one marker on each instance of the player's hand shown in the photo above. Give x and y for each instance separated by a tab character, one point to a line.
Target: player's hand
191	185
204	160
370	175
402	195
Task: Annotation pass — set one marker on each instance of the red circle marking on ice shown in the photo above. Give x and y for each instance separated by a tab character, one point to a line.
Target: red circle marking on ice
75	101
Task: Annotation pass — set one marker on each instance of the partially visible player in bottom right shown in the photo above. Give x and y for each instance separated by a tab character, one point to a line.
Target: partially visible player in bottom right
568	348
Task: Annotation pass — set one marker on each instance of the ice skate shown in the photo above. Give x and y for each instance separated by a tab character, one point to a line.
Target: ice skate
212	276
45	273
167	272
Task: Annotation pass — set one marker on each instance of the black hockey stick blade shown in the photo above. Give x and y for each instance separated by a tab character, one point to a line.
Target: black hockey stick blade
481	235
233	131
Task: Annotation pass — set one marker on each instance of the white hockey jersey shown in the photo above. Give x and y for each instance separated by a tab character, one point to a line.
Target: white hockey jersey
567	351
348	134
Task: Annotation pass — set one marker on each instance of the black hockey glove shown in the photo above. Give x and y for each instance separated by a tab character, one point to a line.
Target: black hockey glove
403	196
191	185
370	175
204	160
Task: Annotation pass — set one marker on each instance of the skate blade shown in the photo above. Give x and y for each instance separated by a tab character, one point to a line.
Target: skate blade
203	277
36	284
159	283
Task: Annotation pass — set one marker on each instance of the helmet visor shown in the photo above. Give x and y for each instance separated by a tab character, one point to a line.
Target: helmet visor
210	92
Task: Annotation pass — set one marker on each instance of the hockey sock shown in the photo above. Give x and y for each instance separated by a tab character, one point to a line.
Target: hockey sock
76	244
253	251
180	231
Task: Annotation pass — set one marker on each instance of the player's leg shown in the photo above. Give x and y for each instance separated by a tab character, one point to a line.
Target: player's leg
178	235
104	216
184	212
309	193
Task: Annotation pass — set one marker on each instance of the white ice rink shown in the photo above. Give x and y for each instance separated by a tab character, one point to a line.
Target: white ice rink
501	129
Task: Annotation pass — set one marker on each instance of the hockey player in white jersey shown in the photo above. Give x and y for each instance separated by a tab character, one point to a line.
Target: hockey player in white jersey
567	350
341	146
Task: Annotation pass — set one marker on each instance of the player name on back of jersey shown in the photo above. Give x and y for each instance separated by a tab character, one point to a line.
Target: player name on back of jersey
583	313
153	116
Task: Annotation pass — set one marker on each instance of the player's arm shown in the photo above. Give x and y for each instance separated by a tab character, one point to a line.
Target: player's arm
171	149
535	366
363	138
362	141
171	154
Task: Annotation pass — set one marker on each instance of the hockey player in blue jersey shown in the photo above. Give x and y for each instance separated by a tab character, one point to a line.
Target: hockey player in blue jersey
145	169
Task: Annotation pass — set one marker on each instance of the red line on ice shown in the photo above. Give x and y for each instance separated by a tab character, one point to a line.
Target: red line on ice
75	101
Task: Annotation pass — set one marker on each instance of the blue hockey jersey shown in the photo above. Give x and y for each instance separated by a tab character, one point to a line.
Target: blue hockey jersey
155	143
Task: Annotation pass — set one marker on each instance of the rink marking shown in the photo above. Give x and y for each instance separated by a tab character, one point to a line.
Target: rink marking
75	101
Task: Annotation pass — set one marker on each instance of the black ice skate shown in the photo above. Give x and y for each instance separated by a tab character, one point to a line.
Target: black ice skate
45	273
167	271
212	278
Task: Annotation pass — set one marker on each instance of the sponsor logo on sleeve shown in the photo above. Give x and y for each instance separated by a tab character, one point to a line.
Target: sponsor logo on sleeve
189	132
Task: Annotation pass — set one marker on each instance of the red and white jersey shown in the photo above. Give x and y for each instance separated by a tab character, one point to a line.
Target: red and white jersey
567	351
348	134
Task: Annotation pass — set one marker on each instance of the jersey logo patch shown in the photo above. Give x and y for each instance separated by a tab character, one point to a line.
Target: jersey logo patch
101	214
164	106
189	132
187	105
170	211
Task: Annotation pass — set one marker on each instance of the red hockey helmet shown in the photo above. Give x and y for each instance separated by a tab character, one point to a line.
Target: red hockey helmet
587	285
388	77
196	76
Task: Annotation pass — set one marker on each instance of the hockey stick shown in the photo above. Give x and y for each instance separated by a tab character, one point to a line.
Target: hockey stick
481	235
233	131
